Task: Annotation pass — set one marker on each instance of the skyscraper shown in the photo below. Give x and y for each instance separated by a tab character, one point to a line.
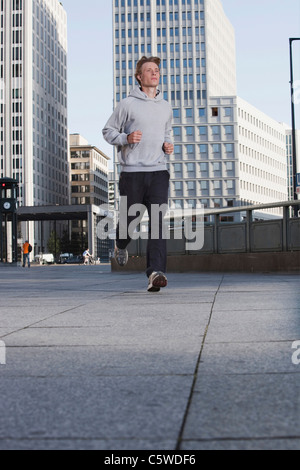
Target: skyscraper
222	144
33	114
196	44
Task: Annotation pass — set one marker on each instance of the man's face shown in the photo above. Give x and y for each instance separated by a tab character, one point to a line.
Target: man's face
150	75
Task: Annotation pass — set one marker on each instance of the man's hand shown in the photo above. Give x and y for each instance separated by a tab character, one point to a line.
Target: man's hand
168	148
135	137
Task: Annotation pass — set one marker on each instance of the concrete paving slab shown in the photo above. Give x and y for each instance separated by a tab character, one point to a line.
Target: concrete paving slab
267	300
88	444
254	325
239	444
96	362
98	408
85	362
264	357
258	406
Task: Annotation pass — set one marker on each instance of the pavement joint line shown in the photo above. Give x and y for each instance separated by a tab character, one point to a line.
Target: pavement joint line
180	437
40	321
242	439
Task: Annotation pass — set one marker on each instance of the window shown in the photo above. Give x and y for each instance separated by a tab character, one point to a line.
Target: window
177	131
192	203
190	148
229	148
178	203
190	168
178	168
215	112
228	130
229	166
216	148
204	167
215	130
178	186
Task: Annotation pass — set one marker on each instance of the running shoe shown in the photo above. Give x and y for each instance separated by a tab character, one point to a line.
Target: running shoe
157	281
121	257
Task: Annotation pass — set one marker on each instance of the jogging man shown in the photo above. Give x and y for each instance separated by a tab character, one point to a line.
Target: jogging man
141	128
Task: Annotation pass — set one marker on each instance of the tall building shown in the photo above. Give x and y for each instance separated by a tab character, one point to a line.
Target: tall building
290	166
262	157
89	186
196	44
89	172
218	151
33	114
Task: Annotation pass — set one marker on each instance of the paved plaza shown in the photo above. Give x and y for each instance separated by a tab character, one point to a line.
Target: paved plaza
93	361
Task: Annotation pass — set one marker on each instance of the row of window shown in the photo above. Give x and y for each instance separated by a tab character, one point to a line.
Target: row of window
162	48
172	79
206	203
257	189
135	3
200	95
228	166
191	149
160	32
203	130
204	185
173	16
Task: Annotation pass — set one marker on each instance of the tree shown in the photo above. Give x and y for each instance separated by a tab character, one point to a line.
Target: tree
53	244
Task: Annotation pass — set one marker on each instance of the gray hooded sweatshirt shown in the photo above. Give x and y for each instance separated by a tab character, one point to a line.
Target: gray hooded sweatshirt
153	117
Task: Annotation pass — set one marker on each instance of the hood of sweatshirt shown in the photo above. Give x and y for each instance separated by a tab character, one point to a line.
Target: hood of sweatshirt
138	93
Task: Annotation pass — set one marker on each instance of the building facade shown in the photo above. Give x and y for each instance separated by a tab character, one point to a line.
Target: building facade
290	168
89	175
221	158
33	114
196	44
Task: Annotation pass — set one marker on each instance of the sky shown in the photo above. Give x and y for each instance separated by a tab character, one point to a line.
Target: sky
262	28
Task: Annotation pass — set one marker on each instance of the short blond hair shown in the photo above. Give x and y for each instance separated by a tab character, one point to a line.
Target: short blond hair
141	62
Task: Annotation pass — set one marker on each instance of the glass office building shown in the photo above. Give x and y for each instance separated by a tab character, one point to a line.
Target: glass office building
196	44
221	142
33	67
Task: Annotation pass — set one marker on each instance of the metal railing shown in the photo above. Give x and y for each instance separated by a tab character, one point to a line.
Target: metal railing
247	236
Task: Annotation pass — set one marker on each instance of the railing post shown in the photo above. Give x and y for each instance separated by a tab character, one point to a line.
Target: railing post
248	231
286	211
216	233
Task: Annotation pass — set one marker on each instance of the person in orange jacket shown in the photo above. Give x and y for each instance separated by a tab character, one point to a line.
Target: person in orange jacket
26	253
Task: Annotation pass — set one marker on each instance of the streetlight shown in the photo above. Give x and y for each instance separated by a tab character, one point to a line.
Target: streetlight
293	125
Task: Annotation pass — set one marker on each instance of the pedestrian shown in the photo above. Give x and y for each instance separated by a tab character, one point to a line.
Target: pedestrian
141	128
27	249
87	257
